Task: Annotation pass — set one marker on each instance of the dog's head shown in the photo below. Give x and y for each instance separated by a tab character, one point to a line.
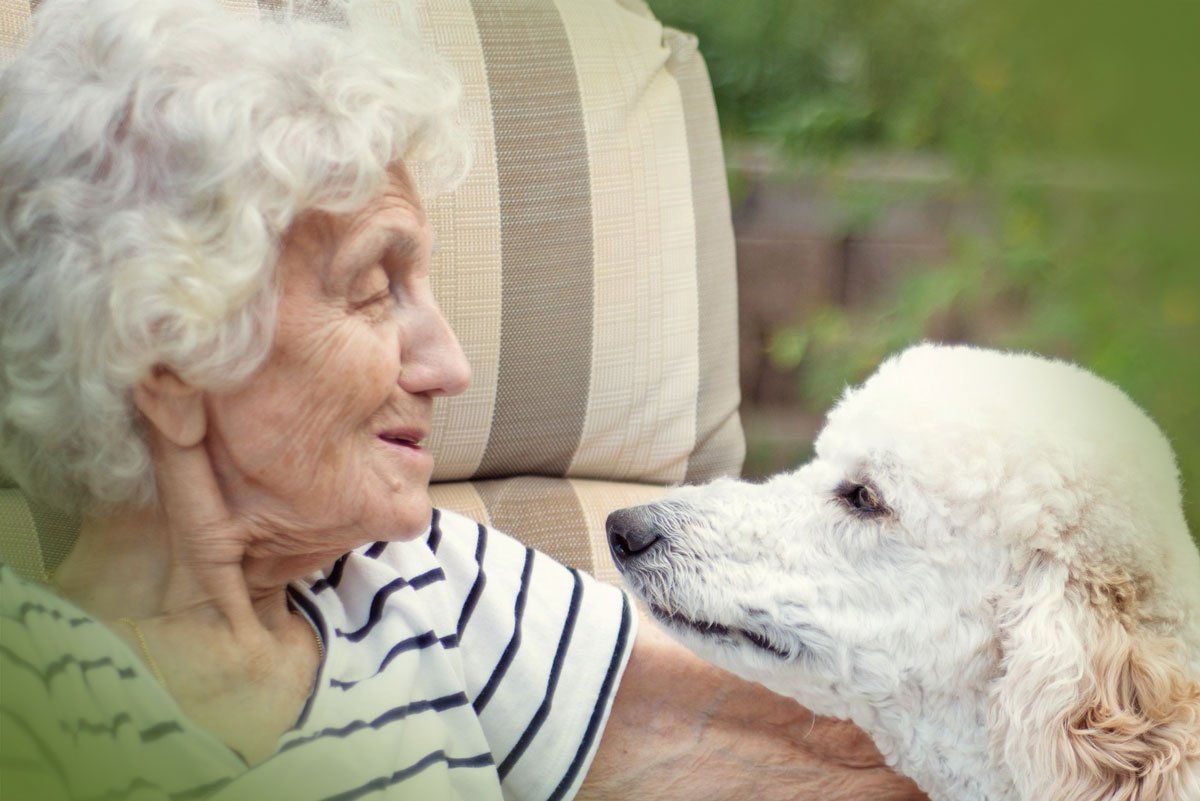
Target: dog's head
994	533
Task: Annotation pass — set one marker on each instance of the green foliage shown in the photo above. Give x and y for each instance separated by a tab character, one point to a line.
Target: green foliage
1079	275
975	80
1075	123
817	77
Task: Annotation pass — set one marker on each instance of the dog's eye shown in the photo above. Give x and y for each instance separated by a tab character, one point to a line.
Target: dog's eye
862	498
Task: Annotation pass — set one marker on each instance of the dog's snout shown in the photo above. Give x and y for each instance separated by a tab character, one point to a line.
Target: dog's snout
630	532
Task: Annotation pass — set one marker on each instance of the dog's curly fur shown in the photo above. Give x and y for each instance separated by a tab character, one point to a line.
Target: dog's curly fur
1011	608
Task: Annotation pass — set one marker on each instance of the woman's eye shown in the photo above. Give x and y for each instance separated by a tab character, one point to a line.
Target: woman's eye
374	300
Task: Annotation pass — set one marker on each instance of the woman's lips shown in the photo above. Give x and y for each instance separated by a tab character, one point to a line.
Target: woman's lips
403	438
405	447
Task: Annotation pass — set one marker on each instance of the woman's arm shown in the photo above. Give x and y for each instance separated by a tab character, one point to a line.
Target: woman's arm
683	729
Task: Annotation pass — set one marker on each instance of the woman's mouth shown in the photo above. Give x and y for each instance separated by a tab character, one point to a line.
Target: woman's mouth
403	439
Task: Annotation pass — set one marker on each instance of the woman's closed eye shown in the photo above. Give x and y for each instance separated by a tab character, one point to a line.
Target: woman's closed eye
376	291
384	296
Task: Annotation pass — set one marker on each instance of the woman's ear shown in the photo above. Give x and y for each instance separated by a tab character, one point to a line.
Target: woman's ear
1090	703
174	408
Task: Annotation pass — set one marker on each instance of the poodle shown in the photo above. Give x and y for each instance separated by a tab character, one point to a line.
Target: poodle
985	566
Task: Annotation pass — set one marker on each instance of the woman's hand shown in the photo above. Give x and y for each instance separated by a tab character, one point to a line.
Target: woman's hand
683	729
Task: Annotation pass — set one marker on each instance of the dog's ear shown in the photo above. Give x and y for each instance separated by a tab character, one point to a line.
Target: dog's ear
1090	704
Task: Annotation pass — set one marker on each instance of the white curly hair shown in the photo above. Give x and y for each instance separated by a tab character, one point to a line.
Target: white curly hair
152	155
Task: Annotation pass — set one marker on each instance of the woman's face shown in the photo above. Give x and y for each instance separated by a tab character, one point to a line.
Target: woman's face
321	450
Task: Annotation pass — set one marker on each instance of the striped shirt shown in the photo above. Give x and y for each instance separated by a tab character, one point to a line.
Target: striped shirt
459	666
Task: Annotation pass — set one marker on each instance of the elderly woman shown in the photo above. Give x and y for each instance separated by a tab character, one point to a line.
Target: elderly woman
220	345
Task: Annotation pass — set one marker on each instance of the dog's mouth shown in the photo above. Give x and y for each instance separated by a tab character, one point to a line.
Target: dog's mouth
709	629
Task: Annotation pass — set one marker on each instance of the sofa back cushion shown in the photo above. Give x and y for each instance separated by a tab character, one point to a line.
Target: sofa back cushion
587	263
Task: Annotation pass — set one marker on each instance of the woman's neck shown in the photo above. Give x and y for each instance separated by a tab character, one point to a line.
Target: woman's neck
226	645
133	564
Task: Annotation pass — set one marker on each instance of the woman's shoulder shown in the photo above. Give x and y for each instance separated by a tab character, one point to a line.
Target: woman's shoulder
48	644
451	550
78	706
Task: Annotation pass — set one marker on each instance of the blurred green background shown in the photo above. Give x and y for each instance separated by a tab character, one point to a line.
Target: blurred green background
1039	160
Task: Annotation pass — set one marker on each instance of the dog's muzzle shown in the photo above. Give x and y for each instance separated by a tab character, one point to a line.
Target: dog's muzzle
631	532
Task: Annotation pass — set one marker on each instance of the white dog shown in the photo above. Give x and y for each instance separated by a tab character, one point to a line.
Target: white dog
986	567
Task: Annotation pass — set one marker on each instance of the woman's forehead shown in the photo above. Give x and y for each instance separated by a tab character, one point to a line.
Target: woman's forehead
329	241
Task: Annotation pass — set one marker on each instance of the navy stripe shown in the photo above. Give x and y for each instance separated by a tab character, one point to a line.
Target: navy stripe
598	709
57	666
32	606
141	783
85	665
335	576
376	611
314	615
423	640
514	643
381	596
88	727
22	663
428	577
391	716
543	711
478	761
375	550
476	588
435	532
160	730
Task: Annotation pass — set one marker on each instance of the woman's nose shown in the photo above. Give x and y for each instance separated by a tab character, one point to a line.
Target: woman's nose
434	362
456	370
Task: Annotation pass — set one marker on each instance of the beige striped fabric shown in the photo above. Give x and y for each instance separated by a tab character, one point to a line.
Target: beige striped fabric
586	264
34	538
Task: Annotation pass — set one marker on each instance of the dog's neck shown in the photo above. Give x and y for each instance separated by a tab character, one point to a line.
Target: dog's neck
937	739
941	742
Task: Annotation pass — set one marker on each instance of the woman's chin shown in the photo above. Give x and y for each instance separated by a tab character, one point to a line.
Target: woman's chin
405	518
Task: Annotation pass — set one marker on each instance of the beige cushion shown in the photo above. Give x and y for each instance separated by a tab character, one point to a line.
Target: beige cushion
33	538
586	263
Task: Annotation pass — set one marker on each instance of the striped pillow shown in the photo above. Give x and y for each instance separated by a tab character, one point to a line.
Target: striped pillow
586	264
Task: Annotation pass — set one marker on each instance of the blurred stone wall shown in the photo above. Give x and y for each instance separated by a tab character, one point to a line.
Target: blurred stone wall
841	238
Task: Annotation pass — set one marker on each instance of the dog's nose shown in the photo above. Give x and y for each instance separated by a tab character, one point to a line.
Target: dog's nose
630	532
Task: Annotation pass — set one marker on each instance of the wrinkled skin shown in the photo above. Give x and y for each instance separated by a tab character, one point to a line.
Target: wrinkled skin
361	349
